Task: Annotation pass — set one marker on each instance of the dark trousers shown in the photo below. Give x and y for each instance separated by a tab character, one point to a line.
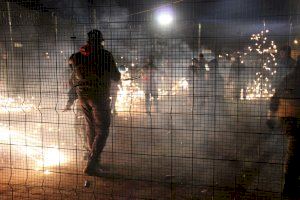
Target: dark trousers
96	111
292	167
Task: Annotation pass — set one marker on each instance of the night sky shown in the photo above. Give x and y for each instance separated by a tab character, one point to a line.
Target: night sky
223	21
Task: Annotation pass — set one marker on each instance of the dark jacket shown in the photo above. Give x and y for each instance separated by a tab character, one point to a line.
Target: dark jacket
285	66
94	68
289	88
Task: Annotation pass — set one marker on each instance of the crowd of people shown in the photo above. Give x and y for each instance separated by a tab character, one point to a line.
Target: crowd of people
94	70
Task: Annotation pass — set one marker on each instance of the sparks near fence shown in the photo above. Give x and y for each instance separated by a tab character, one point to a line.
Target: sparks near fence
15	105
30	147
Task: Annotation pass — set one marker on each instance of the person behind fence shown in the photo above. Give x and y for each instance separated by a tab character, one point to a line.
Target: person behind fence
79	117
236	79
286	64
202	61
150	84
95	68
193	74
202	86
285	104
215	81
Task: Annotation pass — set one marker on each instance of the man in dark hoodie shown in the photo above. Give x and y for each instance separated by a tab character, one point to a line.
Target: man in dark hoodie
94	69
285	104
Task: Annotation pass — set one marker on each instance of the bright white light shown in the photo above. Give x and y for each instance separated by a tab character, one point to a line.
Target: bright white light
47	172
165	16
43	157
52	157
165	19
11	105
295	41
206	67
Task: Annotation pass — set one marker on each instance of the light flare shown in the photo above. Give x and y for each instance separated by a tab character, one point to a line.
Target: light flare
30	147
12	105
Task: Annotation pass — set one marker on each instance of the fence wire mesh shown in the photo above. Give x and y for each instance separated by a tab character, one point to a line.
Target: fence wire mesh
188	117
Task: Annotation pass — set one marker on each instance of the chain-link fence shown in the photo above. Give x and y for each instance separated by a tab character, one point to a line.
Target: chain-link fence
188	119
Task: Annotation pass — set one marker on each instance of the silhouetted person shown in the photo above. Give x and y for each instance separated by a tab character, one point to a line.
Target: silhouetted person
202	61
216	81
285	104
192	77
286	64
193	73
236	78
94	69
150	84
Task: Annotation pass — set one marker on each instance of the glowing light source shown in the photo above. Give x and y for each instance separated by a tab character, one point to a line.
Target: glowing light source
164	16
47	172
206	67
295	41
12	105
43	157
130	95
51	157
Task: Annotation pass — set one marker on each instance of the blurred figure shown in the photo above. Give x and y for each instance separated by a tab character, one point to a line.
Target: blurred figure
114	96
150	84
216	81
202	67
236	79
285	104
202	61
193	75
79	117
286	64
94	68
203	83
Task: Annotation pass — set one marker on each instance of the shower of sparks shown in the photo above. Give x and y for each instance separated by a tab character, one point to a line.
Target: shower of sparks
31	148
261	87
130	94
12	105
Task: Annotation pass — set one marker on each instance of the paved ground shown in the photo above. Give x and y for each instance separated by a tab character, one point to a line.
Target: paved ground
220	148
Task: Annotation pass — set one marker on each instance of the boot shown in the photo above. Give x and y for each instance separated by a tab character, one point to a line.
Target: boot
93	168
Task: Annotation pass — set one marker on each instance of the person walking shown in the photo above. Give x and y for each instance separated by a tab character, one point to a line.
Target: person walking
94	69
